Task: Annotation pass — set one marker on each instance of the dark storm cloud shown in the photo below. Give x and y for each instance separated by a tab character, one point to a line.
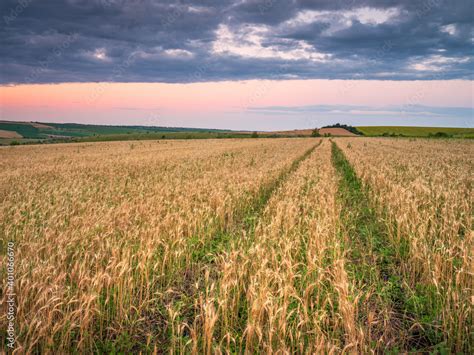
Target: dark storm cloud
47	41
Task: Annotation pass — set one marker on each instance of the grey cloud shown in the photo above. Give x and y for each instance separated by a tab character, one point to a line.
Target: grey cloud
172	41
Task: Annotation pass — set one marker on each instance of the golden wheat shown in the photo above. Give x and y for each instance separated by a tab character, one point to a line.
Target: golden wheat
423	191
239	246
277	289
102	230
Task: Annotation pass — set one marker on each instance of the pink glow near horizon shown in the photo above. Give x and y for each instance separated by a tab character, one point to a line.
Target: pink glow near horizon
128	103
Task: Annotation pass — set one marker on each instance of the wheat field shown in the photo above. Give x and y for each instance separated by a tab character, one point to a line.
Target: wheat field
298	245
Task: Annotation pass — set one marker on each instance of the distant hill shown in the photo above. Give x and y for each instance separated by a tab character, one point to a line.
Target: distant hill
35	132
26	132
336	131
416	131
292	133
44	130
379	131
308	132
345	128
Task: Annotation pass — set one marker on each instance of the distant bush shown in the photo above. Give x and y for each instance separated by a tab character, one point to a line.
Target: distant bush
315	133
14	143
346	127
388	134
439	135
254	135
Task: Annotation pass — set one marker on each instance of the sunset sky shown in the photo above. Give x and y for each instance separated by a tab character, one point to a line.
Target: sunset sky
261	65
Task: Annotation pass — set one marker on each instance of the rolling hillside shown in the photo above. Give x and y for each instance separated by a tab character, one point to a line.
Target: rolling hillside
24	132
416	131
36	132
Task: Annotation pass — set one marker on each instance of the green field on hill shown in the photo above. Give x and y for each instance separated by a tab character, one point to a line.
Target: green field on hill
32	132
71	132
416	131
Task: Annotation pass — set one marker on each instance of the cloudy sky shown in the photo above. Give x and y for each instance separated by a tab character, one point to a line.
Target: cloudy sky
247	64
